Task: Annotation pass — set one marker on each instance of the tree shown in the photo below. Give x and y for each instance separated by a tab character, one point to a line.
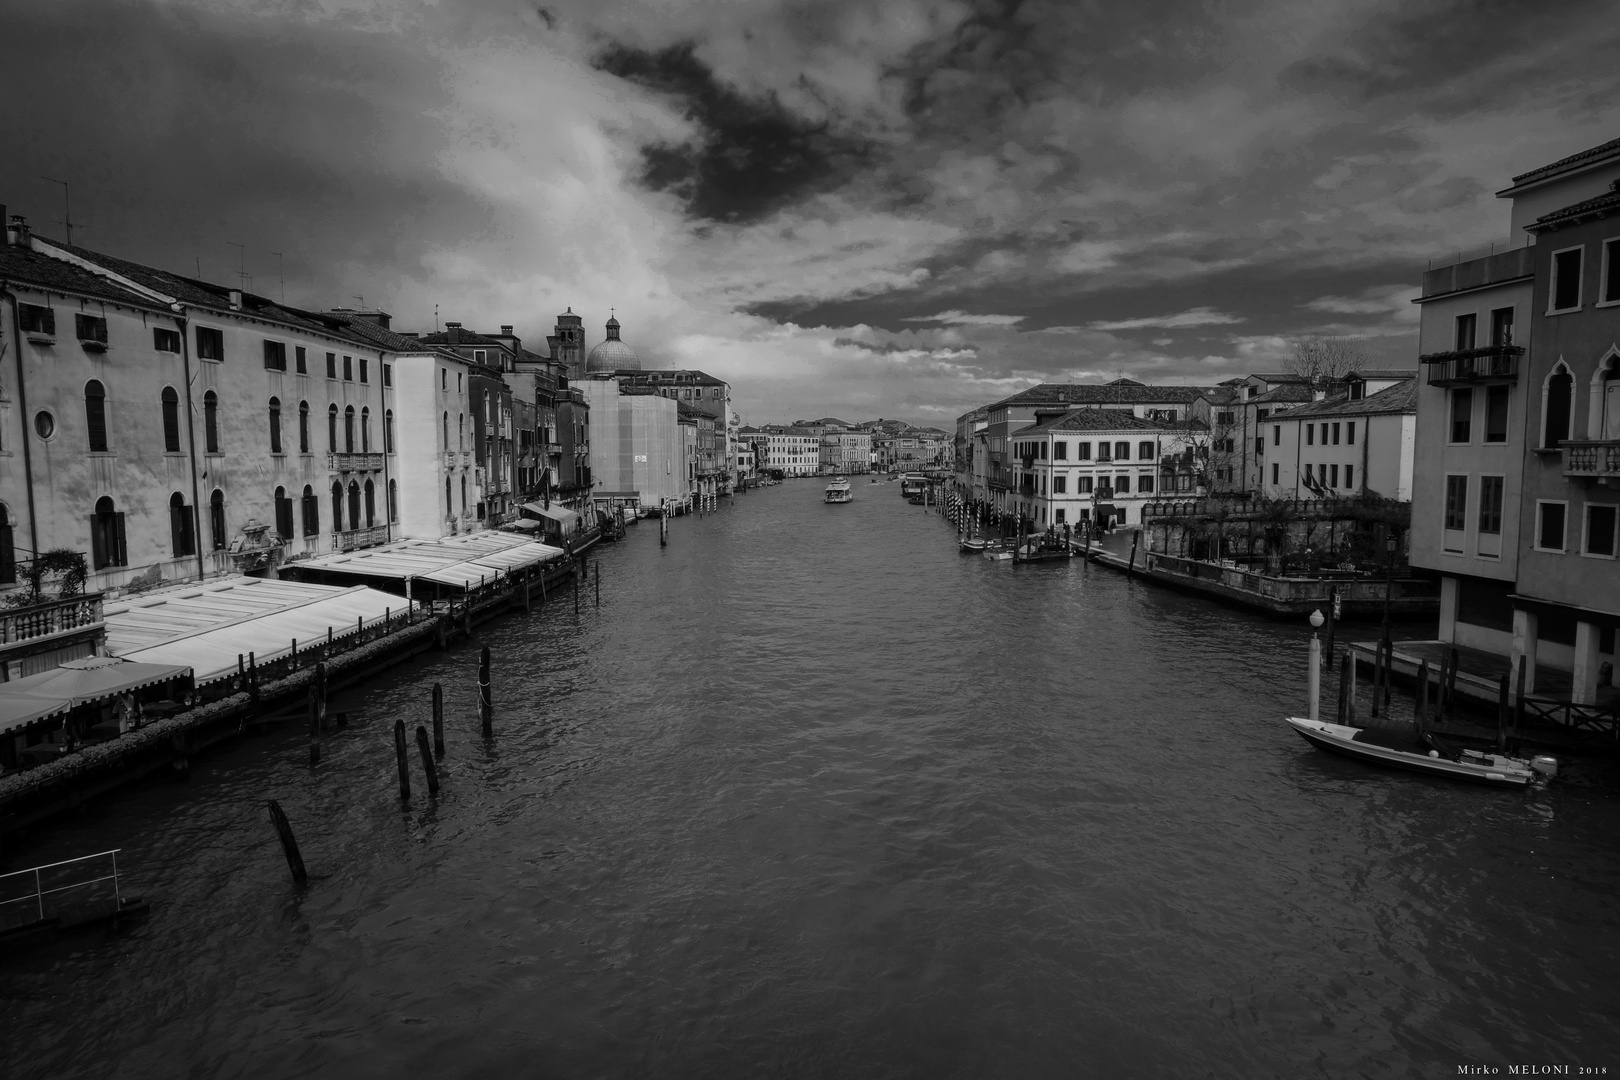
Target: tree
1319	357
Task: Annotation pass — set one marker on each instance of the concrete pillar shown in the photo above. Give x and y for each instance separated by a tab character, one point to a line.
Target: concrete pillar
1448	609
1583	680
1525	628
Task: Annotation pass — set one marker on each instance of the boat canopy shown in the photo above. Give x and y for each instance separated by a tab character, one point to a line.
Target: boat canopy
78	682
566	519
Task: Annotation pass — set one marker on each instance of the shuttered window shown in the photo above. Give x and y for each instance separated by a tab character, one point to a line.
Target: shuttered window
211	422
171	420
95	416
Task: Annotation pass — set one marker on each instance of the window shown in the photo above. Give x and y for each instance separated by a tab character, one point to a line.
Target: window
284	514
1043	451
1465	331
182	536
1490	504
1349	476
91	329
1122	484
1550	525
1496	414
444	426
371	504
1350	433
1502	326
1144	484
337	507
95	417
1057	517
365	430
303	427
1082	451
1225	418
348	369
331	365
1259	446
1310	475
481	355
331	429
1276	434
388	432
1333	476
348	430
1560	394
1275	471
301	359
1144	451
1060	451
393	498
107	546
1456	502
275	425
354	505
444	379
1566	279
312	512
210	343
165	340
365	368
211	423
1600	530
1082	485
216	519
171	420
275	356
1462	414
1310	434
1122	451
388	374
1335	434
1060	485
36	319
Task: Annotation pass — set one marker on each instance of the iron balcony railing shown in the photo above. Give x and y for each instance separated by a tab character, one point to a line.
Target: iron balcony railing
1463	367
1592	458
355	539
345	462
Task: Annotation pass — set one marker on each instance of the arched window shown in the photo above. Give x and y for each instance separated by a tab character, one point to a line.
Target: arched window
211	422
1560	394
303	427
1606	390
354	505
348	430
95	417
444	426
284	514
461	431
371	504
171	420
275	425
464	494
489	417
393	500
388	432
331	432
449	503
107	535
8	548
182	535
365	430
216	519
337	507
312	512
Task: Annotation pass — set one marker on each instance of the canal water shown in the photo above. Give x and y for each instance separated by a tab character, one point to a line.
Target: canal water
811	794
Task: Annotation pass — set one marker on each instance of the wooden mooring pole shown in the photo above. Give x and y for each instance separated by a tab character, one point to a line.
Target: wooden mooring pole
1420	704
314	723
438	720
1346	673
486	707
289	843
1502	714
597	565
427	760
1451	687
402	759
1378	677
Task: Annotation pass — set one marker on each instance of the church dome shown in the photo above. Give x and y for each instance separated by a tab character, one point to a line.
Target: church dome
612	355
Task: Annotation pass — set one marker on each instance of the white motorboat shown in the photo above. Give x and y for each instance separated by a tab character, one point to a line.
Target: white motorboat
839	491
1425	754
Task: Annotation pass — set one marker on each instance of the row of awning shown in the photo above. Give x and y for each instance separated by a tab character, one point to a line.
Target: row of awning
77	682
458	561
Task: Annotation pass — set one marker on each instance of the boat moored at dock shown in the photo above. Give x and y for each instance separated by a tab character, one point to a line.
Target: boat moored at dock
1425	754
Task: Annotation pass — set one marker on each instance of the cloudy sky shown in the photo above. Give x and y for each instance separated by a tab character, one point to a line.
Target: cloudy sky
896	208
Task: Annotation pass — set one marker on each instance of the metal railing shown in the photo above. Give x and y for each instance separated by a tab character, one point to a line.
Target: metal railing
355	539
25	898
1589	457
1492	363
49	617
345	462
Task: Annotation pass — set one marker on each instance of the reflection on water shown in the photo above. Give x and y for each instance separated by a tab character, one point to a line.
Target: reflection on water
813	794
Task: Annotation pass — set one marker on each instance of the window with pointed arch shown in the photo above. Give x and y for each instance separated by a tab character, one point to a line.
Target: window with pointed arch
1557	408
171	421
388	432
444	427
182	537
348	430
303	427
393	500
216	519
107	547
275	425
331	429
284	514
95	417
371	504
311	511
354	505
365	430
8	548
211	423
337	507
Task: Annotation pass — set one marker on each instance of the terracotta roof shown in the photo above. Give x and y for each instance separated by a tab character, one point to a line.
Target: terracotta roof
696	377
1400	398
1096	420
1115	393
26	267
1565	164
1601	206
383	338
1383	373
465	337
1288	393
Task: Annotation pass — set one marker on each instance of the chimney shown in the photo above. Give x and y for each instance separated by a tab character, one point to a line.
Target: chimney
452	332
17	231
506	331
236	299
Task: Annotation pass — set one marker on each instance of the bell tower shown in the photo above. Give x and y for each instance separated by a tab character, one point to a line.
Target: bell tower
568	343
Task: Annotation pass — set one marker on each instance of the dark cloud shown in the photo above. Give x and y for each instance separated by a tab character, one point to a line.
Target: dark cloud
752	155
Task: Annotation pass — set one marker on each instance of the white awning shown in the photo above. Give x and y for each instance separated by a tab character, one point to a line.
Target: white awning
566	519
453	560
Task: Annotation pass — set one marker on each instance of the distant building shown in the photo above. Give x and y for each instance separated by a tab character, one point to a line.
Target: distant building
704	393
1346	446
1085	465
638	448
846	451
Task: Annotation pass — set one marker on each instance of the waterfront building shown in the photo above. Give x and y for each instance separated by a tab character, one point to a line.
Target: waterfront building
846	451
490	430
637	446
704	393
1515	507
170	429
1351	444
963	449
791	451
1089	465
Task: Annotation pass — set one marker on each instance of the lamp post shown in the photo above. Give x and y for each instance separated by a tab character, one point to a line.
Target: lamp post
1314	678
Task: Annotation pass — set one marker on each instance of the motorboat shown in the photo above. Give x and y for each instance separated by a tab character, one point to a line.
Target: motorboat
971	544
839	491
1426	753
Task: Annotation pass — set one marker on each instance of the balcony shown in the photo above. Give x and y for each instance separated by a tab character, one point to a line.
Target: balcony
1592	460
1494	269
356	539
1469	367
49	618
354	462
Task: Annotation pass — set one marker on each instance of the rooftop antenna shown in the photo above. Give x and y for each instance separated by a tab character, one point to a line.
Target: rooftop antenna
280	277
435	318
241	263
67	208
199	267
362	302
